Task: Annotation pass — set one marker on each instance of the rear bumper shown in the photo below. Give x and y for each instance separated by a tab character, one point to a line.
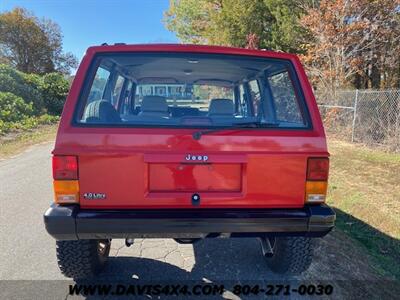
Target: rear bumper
71	222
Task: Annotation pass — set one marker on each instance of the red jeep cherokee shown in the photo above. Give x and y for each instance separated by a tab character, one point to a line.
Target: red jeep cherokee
188	142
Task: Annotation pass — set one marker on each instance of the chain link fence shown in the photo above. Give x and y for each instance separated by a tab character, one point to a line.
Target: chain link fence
365	116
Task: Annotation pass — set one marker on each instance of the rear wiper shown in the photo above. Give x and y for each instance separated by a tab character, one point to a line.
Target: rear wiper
197	135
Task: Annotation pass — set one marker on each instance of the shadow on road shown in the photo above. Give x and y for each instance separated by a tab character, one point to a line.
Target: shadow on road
237	261
224	262
215	259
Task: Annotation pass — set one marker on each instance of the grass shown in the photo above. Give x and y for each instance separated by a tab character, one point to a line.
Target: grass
16	142
365	190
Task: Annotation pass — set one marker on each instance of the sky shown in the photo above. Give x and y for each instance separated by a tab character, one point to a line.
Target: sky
86	23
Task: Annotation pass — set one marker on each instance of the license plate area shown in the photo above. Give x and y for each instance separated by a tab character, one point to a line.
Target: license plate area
189	177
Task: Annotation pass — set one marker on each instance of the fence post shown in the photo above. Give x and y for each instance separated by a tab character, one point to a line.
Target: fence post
354	116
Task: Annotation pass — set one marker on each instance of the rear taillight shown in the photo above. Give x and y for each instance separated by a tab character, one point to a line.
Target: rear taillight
65	167
318	169
65	174
317	179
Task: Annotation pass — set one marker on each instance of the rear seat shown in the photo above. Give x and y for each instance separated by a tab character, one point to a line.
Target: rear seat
151	107
221	108
154	106
157	107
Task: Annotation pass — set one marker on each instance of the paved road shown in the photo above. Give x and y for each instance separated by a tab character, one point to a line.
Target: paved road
28	253
25	192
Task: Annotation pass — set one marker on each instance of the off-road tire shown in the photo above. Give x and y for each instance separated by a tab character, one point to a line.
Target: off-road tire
83	258
292	255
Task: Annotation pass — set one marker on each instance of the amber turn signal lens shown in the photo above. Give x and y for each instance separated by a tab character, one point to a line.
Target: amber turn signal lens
66	191
316	191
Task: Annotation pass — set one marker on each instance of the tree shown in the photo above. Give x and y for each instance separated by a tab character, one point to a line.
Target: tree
242	23
382	67
353	43
189	19
344	43
286	30
237	21
32	45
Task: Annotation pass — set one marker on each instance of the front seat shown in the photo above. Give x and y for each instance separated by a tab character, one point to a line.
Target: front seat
154	106
221	108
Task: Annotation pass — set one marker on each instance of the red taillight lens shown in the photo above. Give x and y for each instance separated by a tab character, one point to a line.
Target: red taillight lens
65	167
318	169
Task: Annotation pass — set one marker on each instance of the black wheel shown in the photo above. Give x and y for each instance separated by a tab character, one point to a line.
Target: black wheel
82	258
291	255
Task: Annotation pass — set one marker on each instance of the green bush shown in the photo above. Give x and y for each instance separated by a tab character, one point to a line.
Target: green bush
47	93
30	100
14	108
54	88
16	82
28	123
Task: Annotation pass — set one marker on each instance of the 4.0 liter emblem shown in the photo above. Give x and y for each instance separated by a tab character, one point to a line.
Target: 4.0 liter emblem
192	157
93	196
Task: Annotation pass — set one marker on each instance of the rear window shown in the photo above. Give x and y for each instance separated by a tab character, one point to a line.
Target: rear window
191	90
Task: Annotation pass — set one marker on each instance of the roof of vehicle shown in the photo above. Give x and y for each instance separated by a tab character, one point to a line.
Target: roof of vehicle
120	47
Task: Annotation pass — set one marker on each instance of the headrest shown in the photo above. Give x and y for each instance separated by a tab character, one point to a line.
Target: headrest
154	104
221	107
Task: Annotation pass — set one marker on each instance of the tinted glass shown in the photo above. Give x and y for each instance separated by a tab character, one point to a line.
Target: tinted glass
99	84
190	90
255	97
117	89
286	105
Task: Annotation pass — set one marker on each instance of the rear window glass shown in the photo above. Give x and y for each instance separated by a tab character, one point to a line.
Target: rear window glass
117	90
98	85
284	97
190	90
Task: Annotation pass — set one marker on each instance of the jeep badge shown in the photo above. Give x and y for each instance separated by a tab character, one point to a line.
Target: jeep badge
191	157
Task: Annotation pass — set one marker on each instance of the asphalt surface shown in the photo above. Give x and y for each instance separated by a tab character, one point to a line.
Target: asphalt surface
28	252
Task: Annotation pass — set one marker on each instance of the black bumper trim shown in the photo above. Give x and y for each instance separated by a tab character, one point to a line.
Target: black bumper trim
71	222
